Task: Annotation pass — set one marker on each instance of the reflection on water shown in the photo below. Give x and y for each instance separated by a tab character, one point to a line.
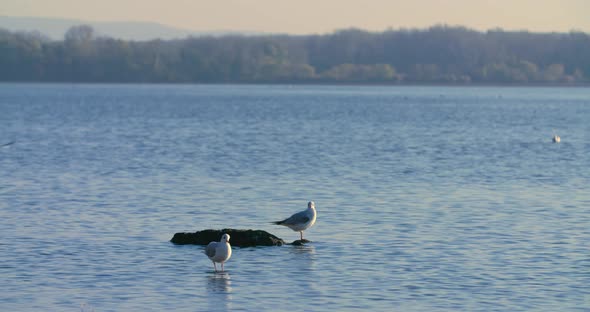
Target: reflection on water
219	291
219	282
303	257
303	249
302	270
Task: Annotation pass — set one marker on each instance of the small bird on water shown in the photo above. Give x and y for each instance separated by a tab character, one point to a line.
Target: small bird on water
302	220
219	251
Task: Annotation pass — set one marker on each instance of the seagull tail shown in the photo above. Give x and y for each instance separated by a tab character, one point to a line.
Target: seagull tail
278	222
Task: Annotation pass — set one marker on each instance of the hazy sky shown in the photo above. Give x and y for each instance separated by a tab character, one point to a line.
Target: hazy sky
318	16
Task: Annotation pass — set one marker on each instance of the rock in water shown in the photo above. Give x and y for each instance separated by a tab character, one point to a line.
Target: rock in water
300	242
239	238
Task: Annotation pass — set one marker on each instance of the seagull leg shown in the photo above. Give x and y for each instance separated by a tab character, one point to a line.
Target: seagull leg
301	233
221	266
215	266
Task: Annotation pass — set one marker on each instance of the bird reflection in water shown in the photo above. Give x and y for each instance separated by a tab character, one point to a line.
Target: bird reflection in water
220	282
304	257
303	270
304	249
219	291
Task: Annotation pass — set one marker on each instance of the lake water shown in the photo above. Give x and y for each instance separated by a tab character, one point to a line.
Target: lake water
428	198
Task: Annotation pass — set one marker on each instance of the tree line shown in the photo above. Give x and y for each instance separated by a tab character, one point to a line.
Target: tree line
439	54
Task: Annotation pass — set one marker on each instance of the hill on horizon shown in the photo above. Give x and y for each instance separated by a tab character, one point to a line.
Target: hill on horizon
55	28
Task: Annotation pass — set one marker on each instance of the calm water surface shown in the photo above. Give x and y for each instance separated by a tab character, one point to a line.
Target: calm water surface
429	199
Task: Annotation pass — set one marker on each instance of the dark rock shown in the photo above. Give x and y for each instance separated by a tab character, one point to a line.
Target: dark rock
300	242
238	238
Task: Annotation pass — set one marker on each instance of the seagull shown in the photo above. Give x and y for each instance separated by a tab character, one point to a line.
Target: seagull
302	220
556	138
219	251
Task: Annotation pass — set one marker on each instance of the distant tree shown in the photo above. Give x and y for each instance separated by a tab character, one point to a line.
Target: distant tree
425	72
80	33
529	70
439	54
554	72
360	73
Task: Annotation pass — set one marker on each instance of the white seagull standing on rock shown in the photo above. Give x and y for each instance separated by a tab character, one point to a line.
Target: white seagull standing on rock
219	251
302	220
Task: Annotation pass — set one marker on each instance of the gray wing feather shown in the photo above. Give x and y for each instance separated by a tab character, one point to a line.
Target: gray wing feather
300	217
210	249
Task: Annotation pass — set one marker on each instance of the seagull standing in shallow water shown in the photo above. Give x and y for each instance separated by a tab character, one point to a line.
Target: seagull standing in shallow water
302	220
219	251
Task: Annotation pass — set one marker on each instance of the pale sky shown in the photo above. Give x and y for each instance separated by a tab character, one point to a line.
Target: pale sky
318	16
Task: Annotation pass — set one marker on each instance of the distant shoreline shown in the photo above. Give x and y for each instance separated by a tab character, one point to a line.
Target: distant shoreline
440	55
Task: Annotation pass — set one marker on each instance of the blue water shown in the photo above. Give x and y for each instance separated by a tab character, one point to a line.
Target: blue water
428	198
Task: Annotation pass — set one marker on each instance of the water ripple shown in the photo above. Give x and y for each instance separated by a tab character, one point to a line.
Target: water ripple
429	199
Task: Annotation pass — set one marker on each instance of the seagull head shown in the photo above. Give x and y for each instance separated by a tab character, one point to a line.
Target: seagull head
225	238
311	205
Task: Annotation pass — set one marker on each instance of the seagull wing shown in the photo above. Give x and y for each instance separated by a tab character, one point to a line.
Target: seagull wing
298	218
210	249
